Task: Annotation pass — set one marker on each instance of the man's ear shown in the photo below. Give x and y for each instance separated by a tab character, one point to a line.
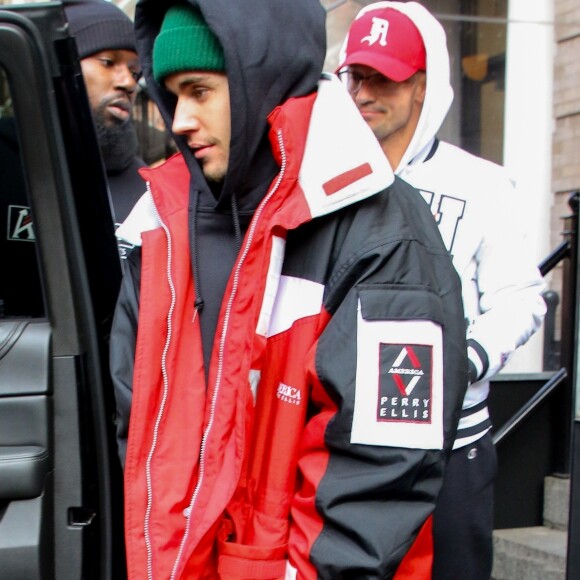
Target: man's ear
421	87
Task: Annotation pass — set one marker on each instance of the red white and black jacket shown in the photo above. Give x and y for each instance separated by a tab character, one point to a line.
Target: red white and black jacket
316	447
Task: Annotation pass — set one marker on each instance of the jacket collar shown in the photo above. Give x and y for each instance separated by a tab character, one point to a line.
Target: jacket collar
341	161
330	150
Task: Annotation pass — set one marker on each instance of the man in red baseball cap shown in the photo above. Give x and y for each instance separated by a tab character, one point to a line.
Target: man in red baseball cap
383	67
395	65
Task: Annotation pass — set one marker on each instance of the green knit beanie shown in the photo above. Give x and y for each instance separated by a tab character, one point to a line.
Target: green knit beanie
185	42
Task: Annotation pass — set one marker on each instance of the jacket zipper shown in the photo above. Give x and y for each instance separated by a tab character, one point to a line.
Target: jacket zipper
187	512
164	373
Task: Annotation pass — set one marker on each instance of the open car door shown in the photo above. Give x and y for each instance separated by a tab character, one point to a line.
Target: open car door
60	478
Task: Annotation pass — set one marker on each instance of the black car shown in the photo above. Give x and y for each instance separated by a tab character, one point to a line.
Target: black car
60	478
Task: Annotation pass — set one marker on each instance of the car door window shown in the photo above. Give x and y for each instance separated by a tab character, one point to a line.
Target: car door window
20	289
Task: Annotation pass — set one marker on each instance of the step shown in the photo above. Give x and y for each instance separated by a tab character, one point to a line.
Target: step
556	502
537	553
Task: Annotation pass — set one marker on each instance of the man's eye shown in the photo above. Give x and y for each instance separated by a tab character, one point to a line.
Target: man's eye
106	62
200	92
136	74
386	84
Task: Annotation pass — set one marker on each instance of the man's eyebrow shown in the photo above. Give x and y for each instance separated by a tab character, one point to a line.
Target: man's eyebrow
193	79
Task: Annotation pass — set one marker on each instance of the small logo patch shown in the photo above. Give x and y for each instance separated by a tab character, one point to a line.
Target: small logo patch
289	394
405	383
20	227
378	32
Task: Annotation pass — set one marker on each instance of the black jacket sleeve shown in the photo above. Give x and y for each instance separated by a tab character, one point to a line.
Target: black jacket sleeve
388	375
122	346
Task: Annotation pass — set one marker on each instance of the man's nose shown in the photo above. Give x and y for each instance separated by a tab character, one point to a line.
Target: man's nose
125	78
185	118
364	94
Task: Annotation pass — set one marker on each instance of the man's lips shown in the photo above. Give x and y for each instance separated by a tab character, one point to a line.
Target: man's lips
369	113
200	151
119	109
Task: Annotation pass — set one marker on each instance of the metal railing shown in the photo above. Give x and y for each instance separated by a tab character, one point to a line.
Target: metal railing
560	355
526	410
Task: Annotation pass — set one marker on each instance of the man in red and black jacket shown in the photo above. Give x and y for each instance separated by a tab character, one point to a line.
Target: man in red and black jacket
288	348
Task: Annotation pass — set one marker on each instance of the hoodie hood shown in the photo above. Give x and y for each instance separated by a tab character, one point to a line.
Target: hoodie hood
439	94
266	64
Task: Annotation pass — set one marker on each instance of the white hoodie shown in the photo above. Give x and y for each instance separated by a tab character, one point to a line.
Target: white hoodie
475	205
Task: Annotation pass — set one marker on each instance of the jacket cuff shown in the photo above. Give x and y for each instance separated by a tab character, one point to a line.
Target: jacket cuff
478	361
472	373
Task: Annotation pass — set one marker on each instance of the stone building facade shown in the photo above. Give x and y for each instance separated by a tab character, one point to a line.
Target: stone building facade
566	141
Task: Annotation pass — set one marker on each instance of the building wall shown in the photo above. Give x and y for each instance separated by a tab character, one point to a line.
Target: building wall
566	142
566	137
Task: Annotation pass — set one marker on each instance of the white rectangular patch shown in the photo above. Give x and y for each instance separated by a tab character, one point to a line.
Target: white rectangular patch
272	281
399	384
297	298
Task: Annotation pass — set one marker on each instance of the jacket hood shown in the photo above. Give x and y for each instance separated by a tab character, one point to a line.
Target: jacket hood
439	94
273	49
323	135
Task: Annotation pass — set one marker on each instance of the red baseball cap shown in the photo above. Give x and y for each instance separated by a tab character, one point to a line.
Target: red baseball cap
388	41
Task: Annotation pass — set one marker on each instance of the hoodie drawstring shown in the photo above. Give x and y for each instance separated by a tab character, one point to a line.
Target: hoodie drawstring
236	220
193	211
199	303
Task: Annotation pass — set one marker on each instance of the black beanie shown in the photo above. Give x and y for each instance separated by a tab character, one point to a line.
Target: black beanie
99	25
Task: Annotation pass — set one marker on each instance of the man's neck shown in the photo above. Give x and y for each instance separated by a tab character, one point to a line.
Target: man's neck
394	148
394	153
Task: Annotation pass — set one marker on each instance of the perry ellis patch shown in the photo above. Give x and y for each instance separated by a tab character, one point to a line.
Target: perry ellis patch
20	227
399	384
405	383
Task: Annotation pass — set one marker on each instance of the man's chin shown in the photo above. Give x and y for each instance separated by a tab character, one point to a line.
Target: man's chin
213	174
214	177
112	121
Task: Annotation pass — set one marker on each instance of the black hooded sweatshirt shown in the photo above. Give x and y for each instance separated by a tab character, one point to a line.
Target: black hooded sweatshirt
265	66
